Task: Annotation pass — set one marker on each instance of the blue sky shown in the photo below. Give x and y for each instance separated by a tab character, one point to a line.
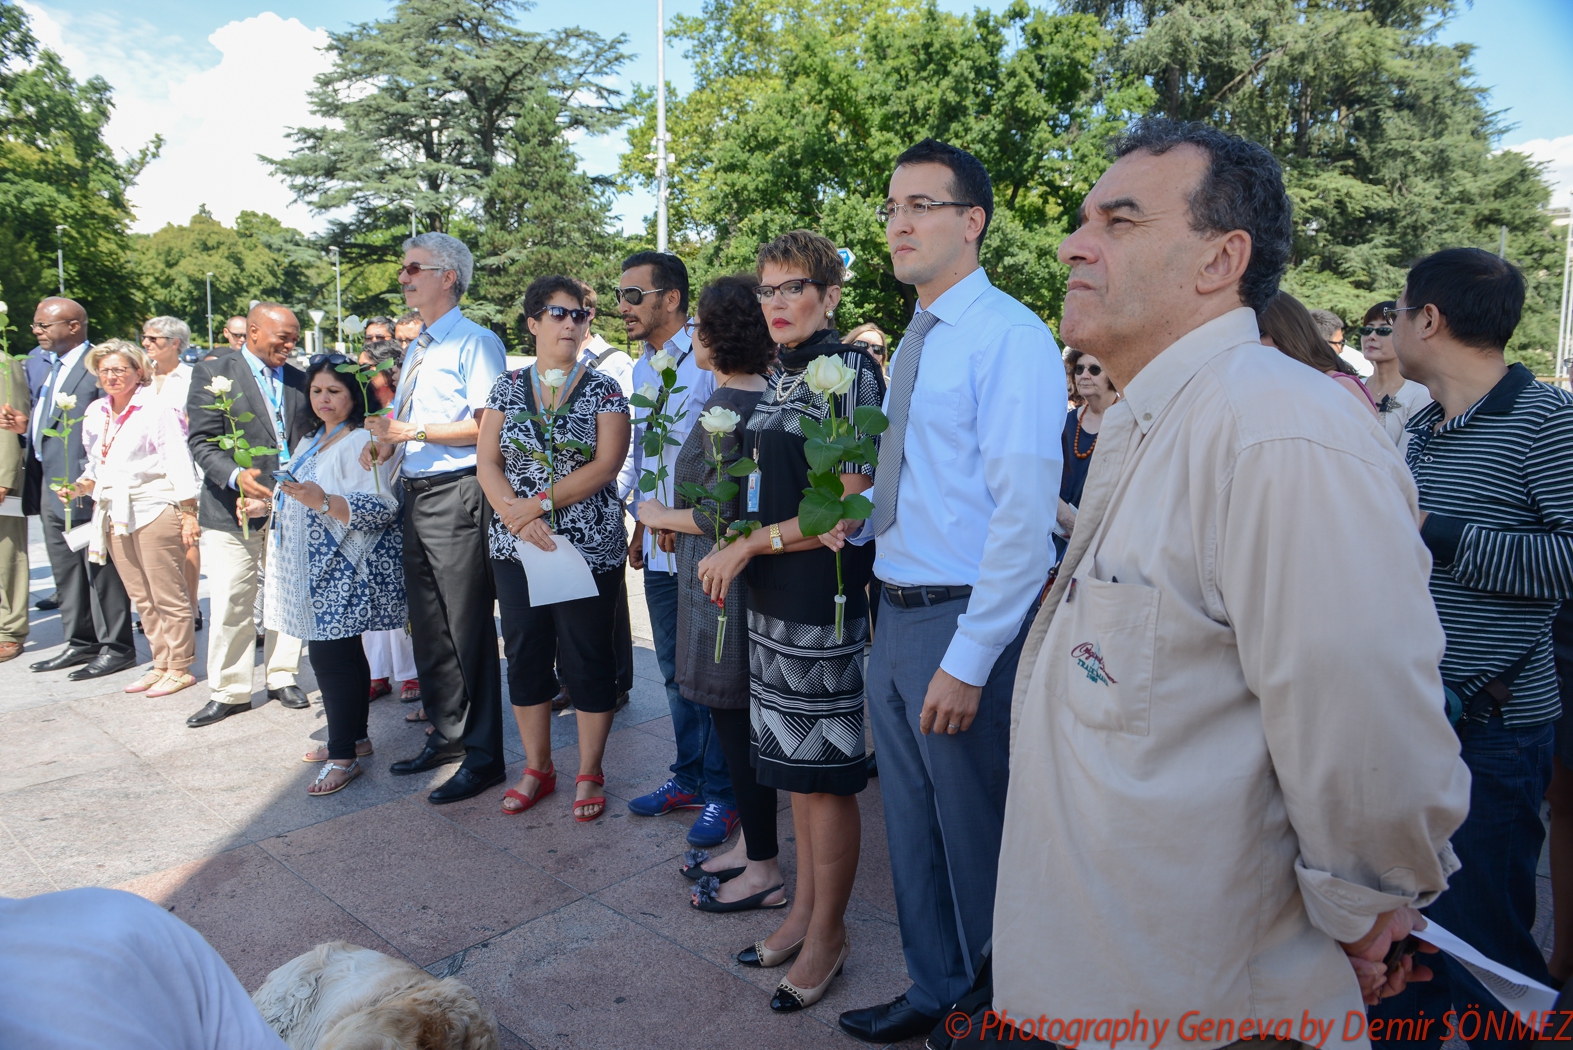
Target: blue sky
220	79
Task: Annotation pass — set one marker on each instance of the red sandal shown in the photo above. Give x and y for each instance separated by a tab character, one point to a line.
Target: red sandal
548	785
594	778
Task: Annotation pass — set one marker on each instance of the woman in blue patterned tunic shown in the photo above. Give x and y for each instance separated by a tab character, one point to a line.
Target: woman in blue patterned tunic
335	546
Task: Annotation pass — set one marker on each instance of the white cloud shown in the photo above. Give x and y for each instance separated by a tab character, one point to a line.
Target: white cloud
1558	155
215	118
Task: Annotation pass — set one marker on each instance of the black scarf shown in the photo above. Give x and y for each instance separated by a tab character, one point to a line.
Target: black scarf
795	359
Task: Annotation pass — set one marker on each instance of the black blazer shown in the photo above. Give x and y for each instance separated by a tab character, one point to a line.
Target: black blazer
217	510
49	459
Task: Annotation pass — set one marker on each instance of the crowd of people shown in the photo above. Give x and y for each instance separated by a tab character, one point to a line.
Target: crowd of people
1200	697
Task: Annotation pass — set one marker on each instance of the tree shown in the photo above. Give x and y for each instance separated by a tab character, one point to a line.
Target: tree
800	109
1385	139
56	169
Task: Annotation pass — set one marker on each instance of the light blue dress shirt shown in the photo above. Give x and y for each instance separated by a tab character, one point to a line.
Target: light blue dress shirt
980	477
700	385
455	378
43	405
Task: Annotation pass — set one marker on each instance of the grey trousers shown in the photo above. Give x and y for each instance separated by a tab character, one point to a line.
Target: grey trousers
944	800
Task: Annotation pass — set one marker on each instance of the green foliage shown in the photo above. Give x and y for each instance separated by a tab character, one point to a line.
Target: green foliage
55	168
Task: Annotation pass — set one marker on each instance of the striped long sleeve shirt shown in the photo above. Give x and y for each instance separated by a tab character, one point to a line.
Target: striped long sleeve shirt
1497	483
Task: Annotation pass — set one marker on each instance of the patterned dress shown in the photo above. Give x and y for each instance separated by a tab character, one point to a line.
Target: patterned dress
806	688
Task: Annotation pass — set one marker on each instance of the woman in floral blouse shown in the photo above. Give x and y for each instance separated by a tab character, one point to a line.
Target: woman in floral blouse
552	441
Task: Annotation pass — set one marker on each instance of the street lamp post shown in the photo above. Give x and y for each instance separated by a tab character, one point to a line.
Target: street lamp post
1565	315
661	155
316	319
60	257
210	311
338	299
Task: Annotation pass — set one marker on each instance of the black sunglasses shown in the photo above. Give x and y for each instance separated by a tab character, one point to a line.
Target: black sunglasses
1096	370
332	359
635	296
557	313
414	269
1366	329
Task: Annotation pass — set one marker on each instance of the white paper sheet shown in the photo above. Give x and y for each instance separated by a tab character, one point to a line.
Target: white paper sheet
1512	989
555	576
11	507
78	538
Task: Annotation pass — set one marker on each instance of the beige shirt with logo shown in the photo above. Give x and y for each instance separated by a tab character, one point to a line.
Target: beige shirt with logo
1229	750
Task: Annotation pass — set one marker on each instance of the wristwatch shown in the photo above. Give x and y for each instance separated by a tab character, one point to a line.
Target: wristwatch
420	435
776	544
327	502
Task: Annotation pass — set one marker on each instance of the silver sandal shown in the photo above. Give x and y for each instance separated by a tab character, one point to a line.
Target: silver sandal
354	769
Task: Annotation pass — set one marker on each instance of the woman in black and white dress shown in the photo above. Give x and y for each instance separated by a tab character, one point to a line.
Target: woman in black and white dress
575	497
806	686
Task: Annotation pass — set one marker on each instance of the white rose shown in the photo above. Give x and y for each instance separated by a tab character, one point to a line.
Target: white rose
65	402
649	392
661	361
4	309
219	385
720	420
354	325
827	375
554	378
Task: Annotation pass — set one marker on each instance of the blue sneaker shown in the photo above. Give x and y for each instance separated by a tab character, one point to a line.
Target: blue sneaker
664	799
714	825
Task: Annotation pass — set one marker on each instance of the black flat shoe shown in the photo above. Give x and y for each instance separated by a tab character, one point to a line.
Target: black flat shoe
888	1022
51	602
291	697
103	664
69	658
215	712
707	887
466	783
693	867
196	622
429	758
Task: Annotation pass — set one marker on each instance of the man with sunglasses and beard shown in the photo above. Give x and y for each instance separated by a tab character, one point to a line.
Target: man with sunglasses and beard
652	297
447	376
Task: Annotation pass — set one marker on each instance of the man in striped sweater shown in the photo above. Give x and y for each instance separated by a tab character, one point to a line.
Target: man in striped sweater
1491	460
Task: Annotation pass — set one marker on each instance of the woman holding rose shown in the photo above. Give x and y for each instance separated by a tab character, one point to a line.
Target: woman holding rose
731	341
805	684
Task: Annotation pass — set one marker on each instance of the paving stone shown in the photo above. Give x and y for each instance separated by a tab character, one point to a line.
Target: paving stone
19	875
53	741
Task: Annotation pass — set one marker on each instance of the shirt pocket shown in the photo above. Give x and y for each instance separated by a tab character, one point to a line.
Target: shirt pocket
1112	642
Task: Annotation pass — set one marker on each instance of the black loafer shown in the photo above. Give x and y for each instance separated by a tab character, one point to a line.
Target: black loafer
51	602
69	658
429	758
466	783
888	1022
215	712
291	697
102	664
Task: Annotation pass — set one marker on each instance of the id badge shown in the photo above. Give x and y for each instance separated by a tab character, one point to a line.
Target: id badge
753	493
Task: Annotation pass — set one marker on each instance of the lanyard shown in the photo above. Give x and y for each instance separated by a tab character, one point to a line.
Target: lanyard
535	381
110	435
275	401
322	439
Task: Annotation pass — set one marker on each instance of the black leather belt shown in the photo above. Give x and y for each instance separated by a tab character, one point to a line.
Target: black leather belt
433	481
914	597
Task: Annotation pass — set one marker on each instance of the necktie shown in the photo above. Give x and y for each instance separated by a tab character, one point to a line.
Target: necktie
46	403
407	398
887	476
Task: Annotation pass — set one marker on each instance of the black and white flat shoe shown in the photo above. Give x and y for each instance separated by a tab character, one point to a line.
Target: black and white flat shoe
789	997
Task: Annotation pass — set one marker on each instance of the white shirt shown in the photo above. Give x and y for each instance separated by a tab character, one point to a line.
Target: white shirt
453	381
1228	744
618	365
139	462
980	471
45	405
695	385
1402	406
173	387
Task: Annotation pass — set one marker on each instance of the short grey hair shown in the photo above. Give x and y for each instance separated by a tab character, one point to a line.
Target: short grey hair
451	254
1327	322
169	328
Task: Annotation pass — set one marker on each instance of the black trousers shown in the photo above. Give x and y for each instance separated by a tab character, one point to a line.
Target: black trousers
95	611
448	582
345	677
756	803
579	636
623	639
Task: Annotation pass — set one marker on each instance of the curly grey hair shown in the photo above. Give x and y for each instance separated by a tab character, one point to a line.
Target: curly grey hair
451	254
169	328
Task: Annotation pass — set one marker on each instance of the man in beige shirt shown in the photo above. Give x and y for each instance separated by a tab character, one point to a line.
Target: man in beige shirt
1232	779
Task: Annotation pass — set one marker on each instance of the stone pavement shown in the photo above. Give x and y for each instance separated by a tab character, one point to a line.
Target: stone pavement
574	935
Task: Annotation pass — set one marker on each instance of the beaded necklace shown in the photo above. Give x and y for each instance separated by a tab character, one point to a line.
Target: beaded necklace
1076	441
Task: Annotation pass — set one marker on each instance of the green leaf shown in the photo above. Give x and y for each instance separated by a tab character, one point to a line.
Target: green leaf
818	513
870	451
347	367
243	458
245	417
869	419
814	430
647	483
822	455
742	468
226	442
693	493
725	490
241	442
640	401
856	507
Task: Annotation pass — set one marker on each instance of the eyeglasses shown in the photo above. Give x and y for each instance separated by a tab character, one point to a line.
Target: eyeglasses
635	296
1390	314
156	338
1092	370
1336	344
886	212
35	326
790	291
114	373
1384	330
557	313
414	269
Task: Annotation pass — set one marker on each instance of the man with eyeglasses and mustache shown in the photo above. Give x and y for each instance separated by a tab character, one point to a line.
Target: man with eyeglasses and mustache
447	376
652	297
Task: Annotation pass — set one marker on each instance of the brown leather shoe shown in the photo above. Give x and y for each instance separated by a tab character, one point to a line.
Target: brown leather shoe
10	651
561	701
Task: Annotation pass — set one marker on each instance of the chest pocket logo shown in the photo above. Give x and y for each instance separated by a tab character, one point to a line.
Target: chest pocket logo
1111	636
1090	659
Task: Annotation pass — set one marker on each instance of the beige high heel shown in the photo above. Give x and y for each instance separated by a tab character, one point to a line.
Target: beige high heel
757	954
789	997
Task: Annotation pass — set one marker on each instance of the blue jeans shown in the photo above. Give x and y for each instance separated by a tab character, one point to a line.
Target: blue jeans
700	768
1490	901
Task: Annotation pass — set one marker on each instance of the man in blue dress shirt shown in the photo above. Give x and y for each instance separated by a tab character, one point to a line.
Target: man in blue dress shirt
964	498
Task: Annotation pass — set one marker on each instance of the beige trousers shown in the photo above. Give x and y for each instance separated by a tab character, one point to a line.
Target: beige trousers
152	564
14	579
231	563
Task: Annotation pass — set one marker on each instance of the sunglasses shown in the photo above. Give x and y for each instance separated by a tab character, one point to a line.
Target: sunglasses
1384	330
1094	370
635	296
557	313
790	290
332	359
1391	313
414	269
